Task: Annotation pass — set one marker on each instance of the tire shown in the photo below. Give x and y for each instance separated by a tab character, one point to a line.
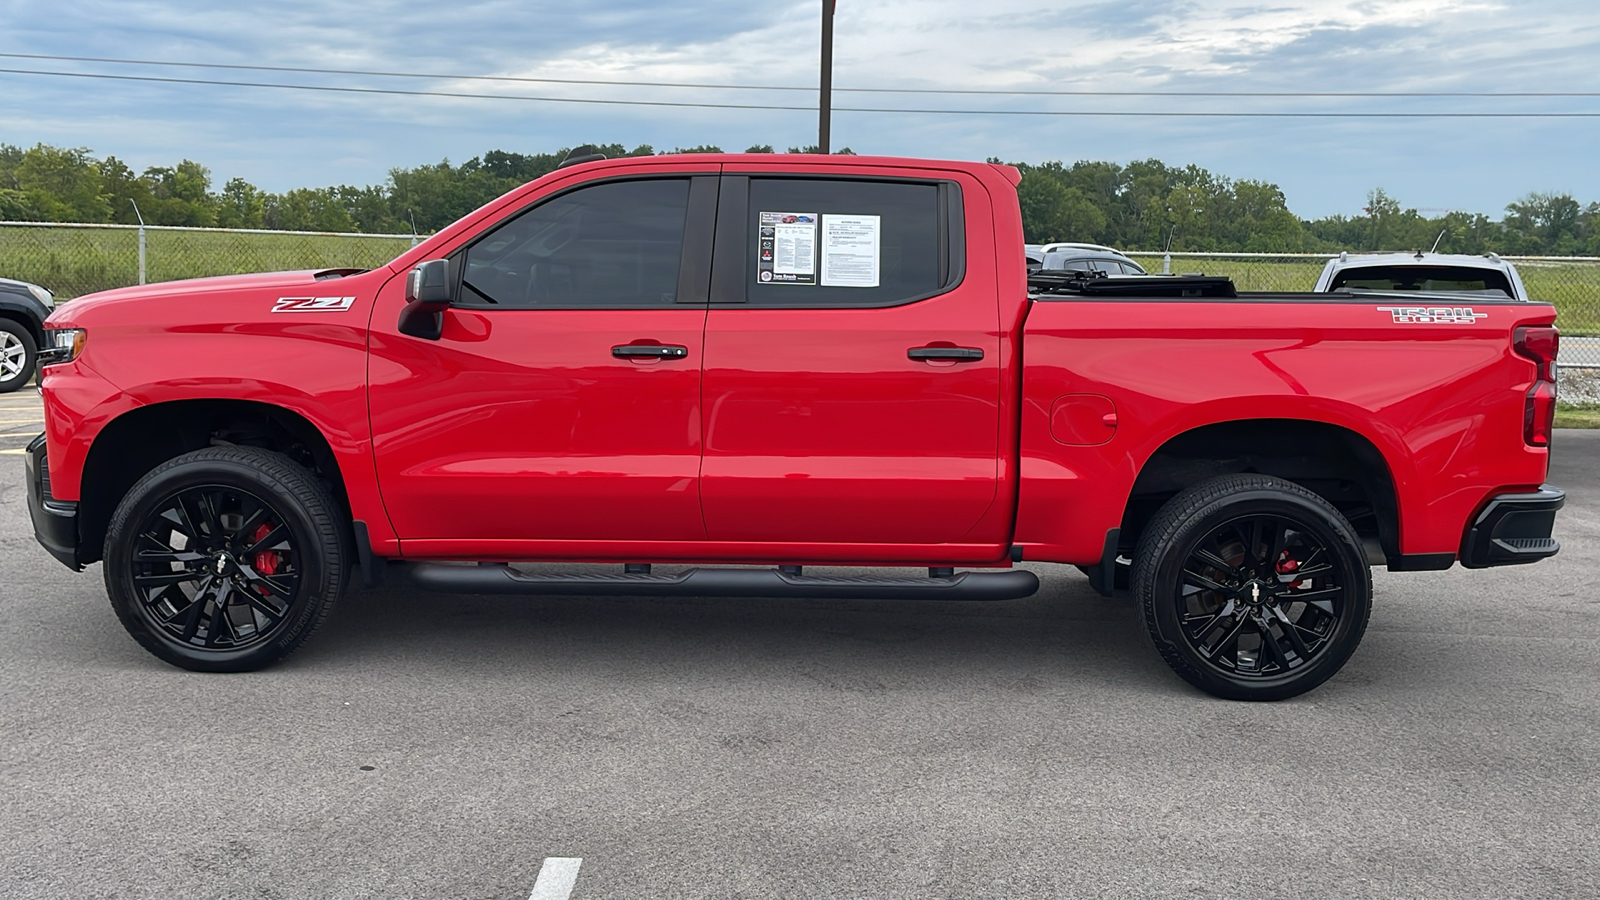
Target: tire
19	355
1252	587
242	524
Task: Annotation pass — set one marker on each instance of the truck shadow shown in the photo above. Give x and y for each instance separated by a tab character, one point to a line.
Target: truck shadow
1066	632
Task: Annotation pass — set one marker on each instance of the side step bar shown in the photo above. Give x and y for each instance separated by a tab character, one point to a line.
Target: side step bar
502	579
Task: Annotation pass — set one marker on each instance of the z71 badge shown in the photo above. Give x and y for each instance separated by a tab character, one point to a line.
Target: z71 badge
313	304
1433	315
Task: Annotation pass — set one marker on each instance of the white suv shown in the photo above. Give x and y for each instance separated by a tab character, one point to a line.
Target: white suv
1456	273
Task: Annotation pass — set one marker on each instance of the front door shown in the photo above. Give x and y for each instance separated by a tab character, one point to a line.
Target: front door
852	385
562	400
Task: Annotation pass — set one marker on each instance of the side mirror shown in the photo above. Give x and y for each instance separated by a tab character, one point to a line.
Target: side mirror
429	283
427	297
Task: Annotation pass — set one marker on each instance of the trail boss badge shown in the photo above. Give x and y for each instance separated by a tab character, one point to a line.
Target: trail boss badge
1433	315
313	304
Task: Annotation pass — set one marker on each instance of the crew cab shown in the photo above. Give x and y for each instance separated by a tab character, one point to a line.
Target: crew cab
1423	271
752	365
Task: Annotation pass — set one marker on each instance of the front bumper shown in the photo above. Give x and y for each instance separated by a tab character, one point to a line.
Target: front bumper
55	522
1513	529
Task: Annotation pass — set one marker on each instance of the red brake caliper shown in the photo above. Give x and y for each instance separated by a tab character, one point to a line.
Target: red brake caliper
1286	564
266	561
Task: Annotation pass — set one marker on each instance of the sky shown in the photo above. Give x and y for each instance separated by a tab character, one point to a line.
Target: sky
281	139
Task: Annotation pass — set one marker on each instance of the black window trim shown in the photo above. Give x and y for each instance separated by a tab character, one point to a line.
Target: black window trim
694	265
730	264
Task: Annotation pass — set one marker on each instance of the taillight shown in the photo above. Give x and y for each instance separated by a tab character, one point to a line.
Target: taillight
1539	343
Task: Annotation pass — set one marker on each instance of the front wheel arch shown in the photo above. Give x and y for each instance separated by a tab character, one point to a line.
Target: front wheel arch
139	440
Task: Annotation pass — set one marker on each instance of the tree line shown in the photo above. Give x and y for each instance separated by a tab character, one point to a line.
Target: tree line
1143	205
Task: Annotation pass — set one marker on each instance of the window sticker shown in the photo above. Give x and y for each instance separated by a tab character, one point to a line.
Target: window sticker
788	248
850	251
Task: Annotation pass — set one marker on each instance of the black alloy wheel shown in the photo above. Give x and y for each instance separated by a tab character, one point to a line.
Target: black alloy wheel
1254	588
224	559
215	568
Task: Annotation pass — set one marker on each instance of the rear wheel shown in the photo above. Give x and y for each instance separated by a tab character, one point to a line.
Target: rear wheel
225	559
1253	588
18	355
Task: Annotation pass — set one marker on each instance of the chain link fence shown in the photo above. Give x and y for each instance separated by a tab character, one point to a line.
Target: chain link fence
1571	283
73	260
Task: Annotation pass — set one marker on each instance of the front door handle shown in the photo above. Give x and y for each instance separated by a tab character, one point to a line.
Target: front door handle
962	354
650	351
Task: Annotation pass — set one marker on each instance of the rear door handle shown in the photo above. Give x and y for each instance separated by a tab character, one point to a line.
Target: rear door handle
953	353
650	351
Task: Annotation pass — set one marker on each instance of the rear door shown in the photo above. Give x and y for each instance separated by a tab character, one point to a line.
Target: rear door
852	365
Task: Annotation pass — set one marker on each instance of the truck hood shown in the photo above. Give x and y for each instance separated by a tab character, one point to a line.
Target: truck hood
265	282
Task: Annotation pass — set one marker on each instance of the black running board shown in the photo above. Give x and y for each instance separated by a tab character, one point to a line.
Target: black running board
502	579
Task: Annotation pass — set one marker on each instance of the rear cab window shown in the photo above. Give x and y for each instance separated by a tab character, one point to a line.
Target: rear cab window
794	242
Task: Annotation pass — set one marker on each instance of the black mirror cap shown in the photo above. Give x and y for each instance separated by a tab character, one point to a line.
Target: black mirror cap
429	284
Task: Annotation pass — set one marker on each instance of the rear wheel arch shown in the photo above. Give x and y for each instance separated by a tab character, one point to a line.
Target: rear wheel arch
139	440
1341	465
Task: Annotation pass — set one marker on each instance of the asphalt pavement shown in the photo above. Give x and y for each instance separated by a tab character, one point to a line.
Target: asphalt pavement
20	419
468	747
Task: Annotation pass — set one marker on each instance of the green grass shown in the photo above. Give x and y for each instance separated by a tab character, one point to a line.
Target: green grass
77	261
1569	416
1247	274
1574	288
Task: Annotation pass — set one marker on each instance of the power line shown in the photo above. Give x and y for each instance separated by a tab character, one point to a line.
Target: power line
776	87
855	109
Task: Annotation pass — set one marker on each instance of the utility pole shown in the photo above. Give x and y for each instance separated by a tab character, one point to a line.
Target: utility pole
825	101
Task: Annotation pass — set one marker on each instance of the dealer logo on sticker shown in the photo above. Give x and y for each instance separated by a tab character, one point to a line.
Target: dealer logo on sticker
313	304
1433	315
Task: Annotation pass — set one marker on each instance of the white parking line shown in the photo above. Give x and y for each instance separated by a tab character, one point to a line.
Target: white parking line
556	878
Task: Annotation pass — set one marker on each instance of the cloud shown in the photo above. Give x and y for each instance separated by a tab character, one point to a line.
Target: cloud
282	139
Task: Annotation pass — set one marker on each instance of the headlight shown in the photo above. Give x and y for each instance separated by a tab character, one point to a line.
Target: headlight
62	345
43	296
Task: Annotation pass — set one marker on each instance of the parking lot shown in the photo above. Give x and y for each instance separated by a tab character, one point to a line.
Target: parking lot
445	747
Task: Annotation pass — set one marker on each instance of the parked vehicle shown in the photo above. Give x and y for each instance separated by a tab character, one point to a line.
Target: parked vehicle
606	366
1436	272
1088	258
23	309
1073	257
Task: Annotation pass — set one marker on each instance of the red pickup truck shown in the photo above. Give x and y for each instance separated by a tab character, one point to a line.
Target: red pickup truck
734	362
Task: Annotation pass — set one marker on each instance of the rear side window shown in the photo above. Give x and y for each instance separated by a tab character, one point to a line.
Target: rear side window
616	245
841	243
1421	278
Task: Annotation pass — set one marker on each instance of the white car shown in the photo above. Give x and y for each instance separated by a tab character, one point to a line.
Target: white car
1456	273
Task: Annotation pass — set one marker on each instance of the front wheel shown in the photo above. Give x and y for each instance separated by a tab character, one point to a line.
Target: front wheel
225	559
1253	588
18	355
